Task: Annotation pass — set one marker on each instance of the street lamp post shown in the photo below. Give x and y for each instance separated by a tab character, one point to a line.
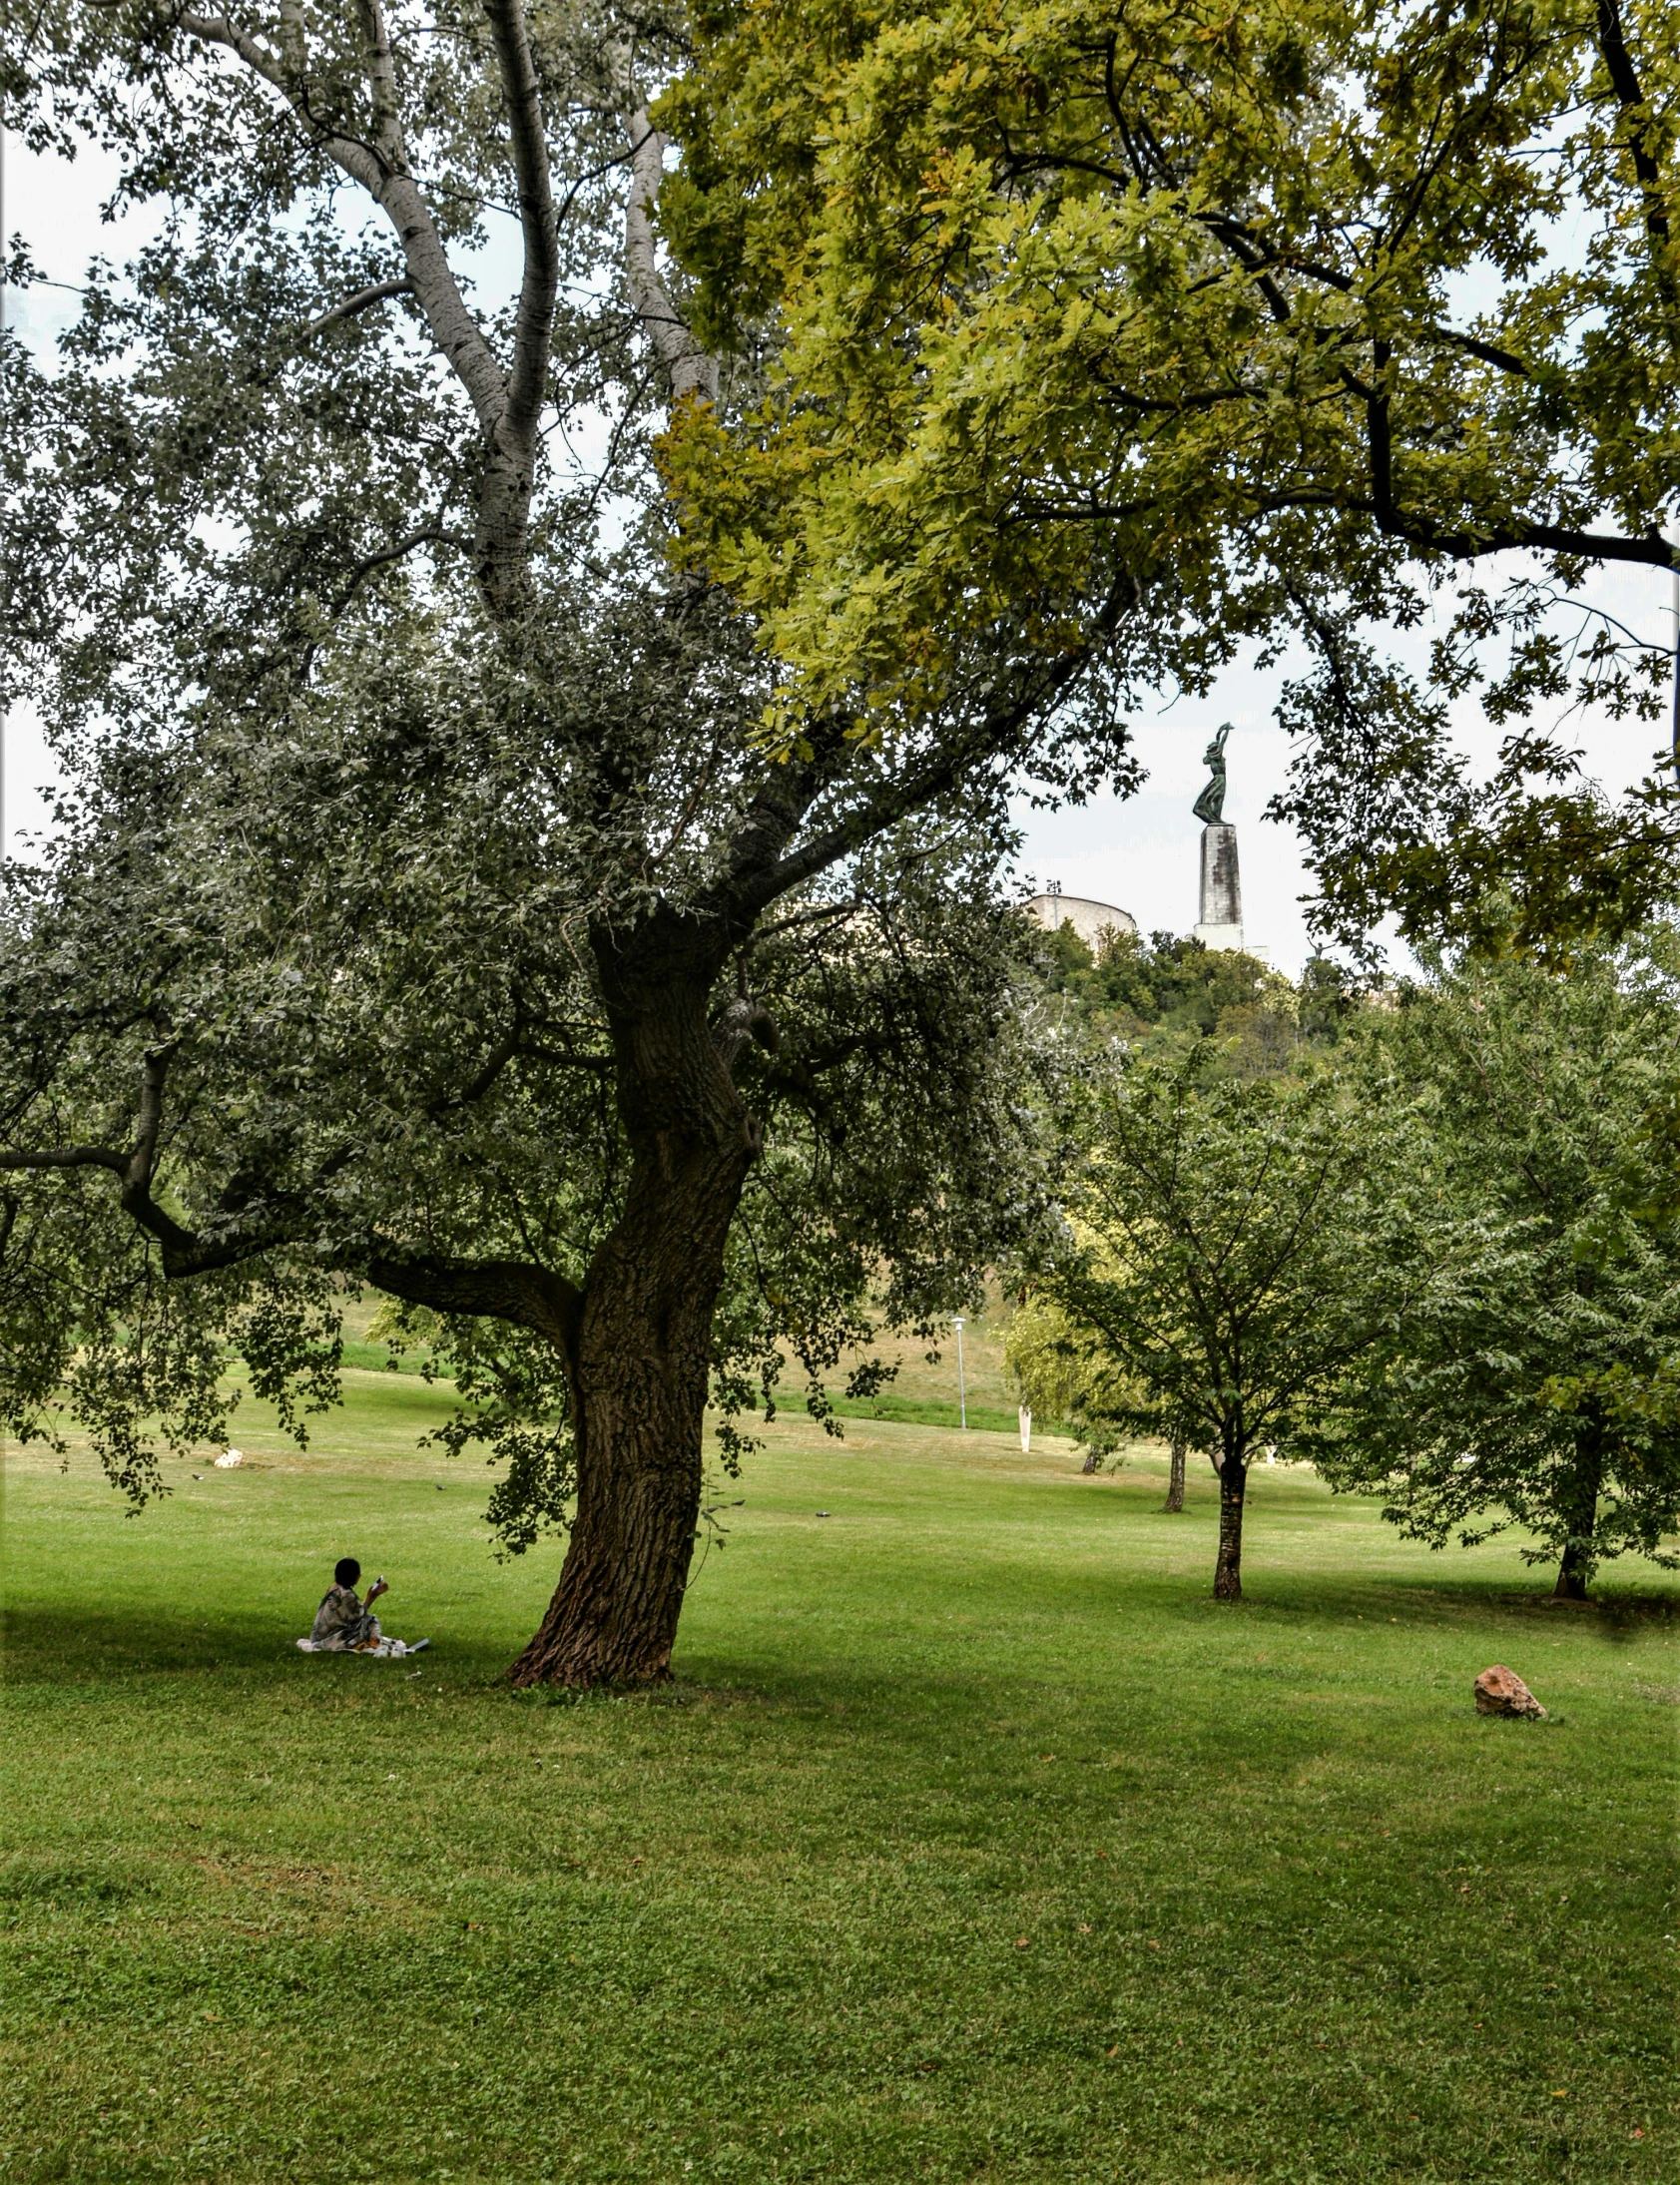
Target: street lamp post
962	1385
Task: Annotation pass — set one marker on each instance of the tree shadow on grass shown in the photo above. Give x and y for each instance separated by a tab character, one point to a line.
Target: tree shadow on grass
1638	1608
87	1644
1448	1600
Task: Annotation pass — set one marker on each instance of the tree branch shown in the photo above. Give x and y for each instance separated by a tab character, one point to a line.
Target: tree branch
689	369
821	915
1651	552
517	1291
453	329
355	158
1254	251
756	885
500	1055
65	1157
363	301
382	83
784	796
432	534
565	1059
540	279
184	1252
1631	97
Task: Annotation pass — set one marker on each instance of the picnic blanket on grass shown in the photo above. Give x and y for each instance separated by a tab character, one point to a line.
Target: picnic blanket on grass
381	1650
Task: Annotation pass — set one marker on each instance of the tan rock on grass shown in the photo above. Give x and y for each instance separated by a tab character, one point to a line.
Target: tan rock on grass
1501	1690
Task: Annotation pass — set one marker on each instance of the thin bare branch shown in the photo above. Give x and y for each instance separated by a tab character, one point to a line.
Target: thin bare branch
353	305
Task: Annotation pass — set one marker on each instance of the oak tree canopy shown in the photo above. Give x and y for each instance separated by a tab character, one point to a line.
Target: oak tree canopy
1283	317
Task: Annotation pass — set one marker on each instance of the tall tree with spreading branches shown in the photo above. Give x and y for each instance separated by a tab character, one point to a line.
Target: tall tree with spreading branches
429	909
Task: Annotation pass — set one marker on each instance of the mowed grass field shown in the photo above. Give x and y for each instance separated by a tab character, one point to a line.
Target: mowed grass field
973	1840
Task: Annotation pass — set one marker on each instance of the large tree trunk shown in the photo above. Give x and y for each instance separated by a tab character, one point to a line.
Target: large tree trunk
1580	1513
1174	1480
639	1369
1228	1570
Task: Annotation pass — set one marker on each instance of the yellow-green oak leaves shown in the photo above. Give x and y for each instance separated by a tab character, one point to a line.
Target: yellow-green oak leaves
1068	310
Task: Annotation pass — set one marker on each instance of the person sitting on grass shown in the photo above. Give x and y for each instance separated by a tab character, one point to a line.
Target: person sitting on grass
342	1622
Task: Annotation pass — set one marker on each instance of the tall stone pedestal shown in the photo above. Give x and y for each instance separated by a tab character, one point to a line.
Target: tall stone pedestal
1221	923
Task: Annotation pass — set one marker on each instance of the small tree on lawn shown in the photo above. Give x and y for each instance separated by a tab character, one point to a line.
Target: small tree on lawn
1063	1374
1537	1385
1060	1377
1224	1242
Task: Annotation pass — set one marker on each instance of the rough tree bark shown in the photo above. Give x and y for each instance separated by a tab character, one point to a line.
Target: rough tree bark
639	1367
1228	1570
1174	1480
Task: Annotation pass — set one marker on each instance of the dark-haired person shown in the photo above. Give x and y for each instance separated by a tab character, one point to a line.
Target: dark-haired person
342	1622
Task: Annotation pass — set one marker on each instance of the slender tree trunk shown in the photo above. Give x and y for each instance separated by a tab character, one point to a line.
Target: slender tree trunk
1581	1513
640	1367
1174	1480
1228	1570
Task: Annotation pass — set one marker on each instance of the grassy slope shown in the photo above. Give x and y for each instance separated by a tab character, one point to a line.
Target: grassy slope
973	1841
924	1392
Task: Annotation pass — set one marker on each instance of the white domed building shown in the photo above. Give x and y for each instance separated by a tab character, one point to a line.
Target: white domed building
1096	923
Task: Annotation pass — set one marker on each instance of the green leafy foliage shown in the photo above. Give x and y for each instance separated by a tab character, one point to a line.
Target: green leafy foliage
1533	860
1132	987
1193	325
1533	1383
1231	1252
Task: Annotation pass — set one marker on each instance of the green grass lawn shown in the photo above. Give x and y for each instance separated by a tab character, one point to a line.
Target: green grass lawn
973	1841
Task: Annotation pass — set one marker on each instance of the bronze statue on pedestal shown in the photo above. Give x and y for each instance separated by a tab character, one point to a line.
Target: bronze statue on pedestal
1209	807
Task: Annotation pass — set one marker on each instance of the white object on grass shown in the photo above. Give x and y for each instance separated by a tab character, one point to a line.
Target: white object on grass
229	1459
1026	1429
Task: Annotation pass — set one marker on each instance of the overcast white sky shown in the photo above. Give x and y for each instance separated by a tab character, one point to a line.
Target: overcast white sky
1141	855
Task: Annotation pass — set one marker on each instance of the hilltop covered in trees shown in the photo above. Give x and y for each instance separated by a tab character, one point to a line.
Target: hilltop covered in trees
1134	988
